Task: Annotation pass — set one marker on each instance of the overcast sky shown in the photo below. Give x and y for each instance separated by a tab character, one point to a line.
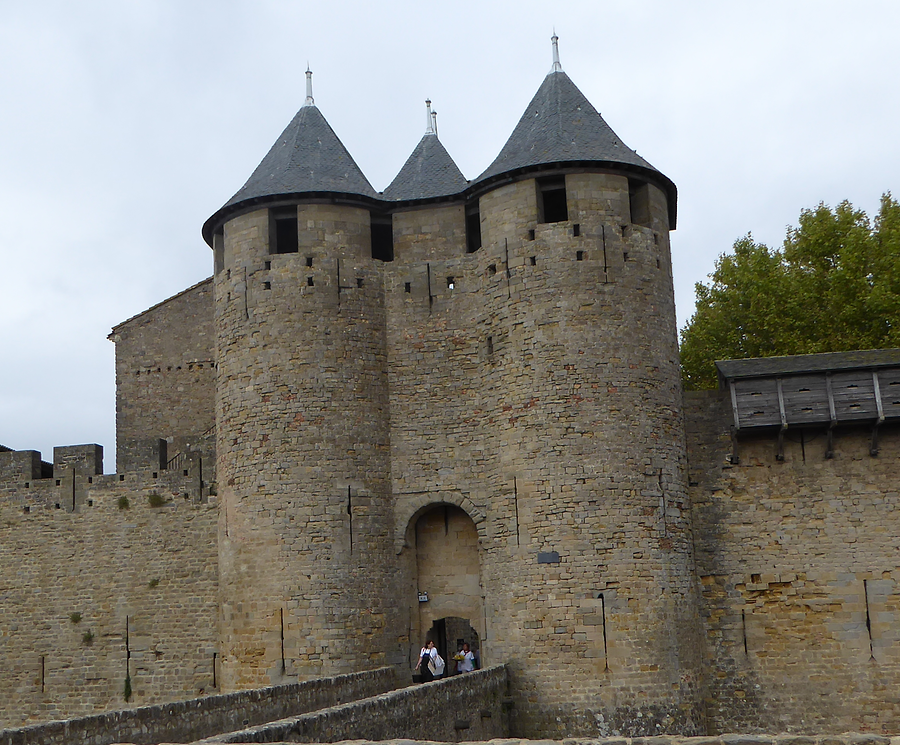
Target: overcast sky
125	124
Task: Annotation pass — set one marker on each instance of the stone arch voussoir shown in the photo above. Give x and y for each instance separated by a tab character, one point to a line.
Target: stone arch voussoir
417	506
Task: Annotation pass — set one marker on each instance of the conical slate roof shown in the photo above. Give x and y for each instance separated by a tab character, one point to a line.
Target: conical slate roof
307	157
428	172
561	125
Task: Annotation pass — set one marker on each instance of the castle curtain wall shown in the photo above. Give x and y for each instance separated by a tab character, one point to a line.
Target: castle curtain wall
120	588
800	577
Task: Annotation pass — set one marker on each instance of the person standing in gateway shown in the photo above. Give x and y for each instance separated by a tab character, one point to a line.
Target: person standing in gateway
466	663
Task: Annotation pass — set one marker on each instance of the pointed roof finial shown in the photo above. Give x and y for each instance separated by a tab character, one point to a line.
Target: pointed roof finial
309	96
556	66
429	120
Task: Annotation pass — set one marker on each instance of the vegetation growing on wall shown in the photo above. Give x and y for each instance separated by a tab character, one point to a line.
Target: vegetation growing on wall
833	287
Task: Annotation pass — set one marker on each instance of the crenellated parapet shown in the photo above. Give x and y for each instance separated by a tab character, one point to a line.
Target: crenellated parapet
106	578
75	481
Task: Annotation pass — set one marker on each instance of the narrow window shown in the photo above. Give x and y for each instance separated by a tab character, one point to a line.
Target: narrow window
407	286
579	256
309	282
576	229
309	261
283	235
552	199
451	283
359	282
532	260
268	265
267	285
531	234
639	200
382	238
219	250
473	228
490	346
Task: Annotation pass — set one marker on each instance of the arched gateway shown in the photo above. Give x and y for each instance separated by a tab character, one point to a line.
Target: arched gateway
444	590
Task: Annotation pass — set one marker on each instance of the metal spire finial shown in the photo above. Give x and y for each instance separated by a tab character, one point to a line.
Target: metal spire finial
309	96
556	66
429	118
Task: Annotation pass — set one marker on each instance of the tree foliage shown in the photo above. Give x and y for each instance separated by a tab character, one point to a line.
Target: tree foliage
833	287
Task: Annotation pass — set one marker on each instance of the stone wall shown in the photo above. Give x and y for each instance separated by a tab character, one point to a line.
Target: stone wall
465	707
535	385
104	578
165	380
799	564
197	718
849	738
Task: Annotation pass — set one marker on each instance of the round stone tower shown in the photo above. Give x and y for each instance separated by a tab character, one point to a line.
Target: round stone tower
588	569
302	416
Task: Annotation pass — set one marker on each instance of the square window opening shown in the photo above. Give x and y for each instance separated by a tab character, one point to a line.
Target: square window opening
552	199
382	237
283	232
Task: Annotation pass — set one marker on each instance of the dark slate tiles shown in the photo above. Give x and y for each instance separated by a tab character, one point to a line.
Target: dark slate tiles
307	157
428	172
561	125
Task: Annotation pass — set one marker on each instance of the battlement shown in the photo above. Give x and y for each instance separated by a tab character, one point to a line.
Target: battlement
75	480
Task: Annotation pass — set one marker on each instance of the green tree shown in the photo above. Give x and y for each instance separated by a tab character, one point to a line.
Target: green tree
834	286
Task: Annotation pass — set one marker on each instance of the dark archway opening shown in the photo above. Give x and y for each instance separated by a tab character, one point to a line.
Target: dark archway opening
449	634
